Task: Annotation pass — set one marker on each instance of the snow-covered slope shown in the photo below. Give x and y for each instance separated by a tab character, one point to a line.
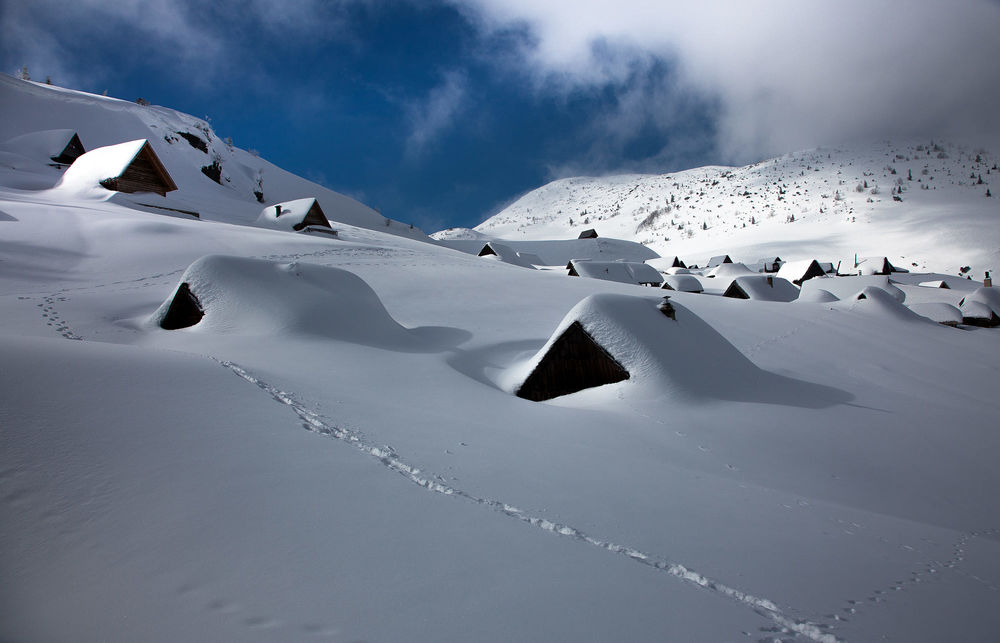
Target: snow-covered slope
185	144
826	204
333	451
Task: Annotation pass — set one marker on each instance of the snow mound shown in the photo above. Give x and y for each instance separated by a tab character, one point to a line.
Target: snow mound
626	272
504	254
939	312
466	234
666	350
729	271
762	288
987	296
847	287
880	303
293	216
684	282
257	297
46	145
559	252
816	295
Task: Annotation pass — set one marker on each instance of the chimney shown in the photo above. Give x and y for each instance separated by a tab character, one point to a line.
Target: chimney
770	282
277	210
987	283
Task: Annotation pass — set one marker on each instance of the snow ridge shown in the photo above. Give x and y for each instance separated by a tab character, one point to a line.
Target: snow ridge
390	459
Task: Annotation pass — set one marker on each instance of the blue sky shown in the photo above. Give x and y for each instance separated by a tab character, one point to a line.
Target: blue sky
438	112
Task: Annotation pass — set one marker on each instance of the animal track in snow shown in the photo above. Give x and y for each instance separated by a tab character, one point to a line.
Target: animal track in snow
52	317
390	459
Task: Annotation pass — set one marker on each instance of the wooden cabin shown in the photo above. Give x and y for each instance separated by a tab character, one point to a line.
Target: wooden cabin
718	260
573	362
61	146
588	234
799	271
142	173
297	215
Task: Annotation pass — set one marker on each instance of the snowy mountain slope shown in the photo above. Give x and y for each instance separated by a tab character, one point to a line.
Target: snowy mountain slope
100	121
826	204
328	460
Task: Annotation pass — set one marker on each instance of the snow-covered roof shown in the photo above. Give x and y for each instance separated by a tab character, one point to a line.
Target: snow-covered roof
531	258
244	296
682	355
762	288
717	260
936	283
988	296
878	265
626	272
683	283
43	145
978	313
845	287
559	252
880	303
801	270
503	253
109	162
293	215
729	271
939	312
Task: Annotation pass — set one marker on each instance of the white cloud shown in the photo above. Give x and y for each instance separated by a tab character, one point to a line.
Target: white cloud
786	73
430	117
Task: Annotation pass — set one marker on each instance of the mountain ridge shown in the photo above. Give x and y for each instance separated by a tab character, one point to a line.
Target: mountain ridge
919	202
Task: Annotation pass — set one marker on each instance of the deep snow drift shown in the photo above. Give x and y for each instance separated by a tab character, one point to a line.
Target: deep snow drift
333	451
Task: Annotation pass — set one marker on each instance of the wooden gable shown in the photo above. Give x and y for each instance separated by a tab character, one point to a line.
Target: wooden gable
574	362
314	216
72	151
144	173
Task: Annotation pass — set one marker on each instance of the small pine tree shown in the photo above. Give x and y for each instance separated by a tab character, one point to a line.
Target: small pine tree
48	80
909	175
988	193
23	74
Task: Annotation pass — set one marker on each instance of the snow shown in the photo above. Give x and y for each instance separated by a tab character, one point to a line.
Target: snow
827	203
84	176
626	272
767	288
292	213
683	282
334	453
40	146
559	252
939	312
845	287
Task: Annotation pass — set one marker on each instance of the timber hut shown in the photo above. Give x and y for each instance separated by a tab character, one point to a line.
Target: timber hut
297	216
762	288
573	362
61	146
770	264
626	272
683	283
799	271
588	234
718	260
125	167
505	254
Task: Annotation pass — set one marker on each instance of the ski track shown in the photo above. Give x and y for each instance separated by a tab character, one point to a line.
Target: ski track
388	458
